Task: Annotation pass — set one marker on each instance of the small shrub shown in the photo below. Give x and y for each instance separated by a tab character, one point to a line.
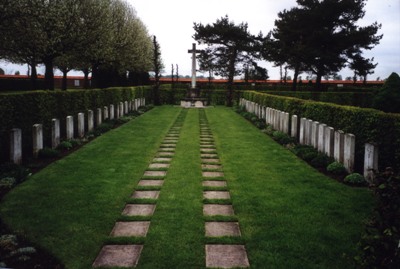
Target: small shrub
16	171
104	127
75	142
65	145
48	153
260	124
320	161
305	152
282	138
7	183
379	245
336	168
355	179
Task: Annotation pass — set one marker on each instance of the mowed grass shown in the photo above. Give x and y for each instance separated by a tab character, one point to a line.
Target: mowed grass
175	237
71	206
290	215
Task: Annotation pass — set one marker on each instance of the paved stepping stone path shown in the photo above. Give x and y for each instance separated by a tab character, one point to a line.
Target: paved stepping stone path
143	205
217	204
221	222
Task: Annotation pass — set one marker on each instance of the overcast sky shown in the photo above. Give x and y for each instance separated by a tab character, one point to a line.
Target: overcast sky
172	22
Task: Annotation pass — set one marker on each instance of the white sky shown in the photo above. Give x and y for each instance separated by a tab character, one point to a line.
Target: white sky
172	22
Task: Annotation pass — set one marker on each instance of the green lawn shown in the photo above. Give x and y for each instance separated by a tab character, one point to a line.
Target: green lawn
290	215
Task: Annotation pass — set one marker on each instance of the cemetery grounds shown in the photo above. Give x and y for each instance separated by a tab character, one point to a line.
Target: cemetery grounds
289	214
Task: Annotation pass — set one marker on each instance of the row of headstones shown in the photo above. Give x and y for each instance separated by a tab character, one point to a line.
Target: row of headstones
111	112
334	143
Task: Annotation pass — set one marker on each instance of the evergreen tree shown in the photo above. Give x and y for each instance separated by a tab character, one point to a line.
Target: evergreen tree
230	45
320	35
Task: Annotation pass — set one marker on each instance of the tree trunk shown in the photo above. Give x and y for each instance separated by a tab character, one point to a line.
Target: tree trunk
86	80
295	76
33	76
49	74
229	96
95	71
318	81
64	79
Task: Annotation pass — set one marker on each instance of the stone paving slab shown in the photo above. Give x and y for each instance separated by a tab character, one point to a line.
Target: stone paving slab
159	159
130	228
207	146
215	209
214	183
150	182
218	229
212	174
209	155
216	195
226	256
159	165
207	150
170	140
165	149
205	139
146	194
166	154
211	166
207	160
118	256
138	210
168	145
155	173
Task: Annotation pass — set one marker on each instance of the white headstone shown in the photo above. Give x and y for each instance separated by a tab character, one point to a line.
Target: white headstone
349	149
370	162
81	124
69	127
16	146
37	135
90	120
55	133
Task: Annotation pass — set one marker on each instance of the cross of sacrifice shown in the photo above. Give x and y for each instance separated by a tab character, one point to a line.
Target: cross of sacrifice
193	51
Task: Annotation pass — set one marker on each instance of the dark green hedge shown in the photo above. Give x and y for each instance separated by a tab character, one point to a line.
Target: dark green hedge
368	125
360	99
174	95
22	110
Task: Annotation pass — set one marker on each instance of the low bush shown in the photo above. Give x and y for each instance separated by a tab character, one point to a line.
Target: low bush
65	145
18	172
12	254
379	246
7	183
282	138
48	153
336	168
305	152
355	179
320	161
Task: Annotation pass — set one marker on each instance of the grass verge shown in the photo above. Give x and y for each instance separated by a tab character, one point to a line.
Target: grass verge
71	206
290	215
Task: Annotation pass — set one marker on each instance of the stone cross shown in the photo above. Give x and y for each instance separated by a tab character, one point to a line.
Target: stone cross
193	51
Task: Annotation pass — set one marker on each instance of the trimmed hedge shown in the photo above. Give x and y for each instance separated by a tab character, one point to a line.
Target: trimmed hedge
368	125
360	99
174	95
22	110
